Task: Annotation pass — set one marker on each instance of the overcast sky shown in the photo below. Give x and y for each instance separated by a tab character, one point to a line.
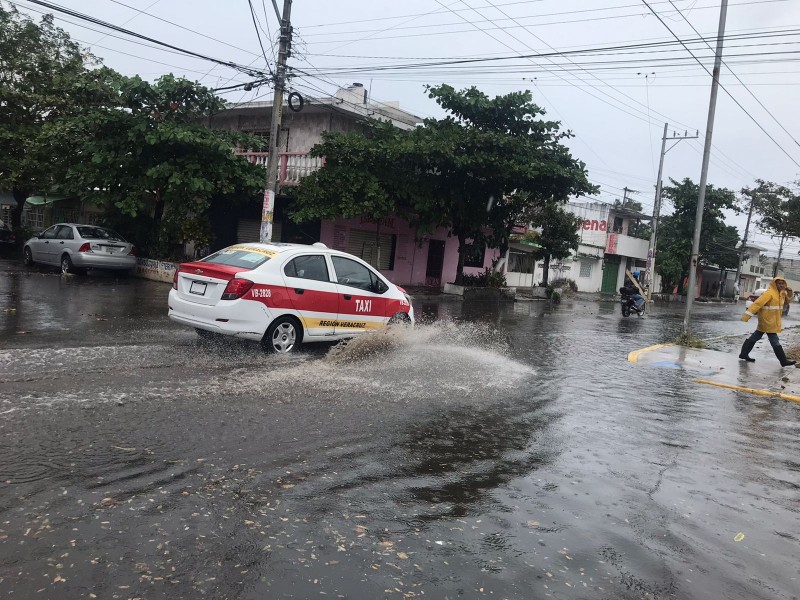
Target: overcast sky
623	75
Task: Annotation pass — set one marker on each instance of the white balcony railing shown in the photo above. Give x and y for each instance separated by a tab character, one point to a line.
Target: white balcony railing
293	165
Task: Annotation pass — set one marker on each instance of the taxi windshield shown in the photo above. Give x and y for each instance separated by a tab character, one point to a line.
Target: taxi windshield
246	259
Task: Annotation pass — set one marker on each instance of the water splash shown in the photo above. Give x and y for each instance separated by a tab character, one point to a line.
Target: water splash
404	363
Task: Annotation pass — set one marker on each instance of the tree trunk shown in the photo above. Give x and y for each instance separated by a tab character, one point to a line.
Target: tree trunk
462	248
16	215
502	264
158	211
546	270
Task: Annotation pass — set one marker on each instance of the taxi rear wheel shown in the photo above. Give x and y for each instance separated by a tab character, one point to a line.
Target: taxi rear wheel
283	336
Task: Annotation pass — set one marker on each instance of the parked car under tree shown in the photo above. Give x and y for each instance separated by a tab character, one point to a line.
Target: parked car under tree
75	248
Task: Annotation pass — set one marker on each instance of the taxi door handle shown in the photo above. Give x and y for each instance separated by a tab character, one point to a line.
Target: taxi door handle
298	290
347	296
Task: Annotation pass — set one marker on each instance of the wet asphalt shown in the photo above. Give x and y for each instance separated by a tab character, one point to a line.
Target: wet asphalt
492	451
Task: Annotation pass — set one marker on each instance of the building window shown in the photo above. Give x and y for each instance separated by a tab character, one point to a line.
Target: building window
586	268
521	263
34	217
474	256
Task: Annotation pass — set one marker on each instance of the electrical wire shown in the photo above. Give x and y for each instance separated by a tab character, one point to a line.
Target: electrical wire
101	23
723	87
546	24
761	104
258	34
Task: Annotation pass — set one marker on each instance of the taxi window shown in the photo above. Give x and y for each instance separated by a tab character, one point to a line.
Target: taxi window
237	258
353	274
308	267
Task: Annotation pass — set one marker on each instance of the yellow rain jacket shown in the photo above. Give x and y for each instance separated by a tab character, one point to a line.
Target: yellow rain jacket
769	308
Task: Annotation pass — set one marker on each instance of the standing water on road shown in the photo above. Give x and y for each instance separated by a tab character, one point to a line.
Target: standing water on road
505	452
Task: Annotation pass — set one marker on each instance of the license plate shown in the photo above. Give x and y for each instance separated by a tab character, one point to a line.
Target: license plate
111	249
198	287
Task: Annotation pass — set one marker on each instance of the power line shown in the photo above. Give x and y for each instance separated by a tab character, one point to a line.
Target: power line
774	118
563	22
90	19
723	87
178	25
258	34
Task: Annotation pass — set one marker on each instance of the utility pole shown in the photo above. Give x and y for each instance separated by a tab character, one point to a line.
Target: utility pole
650	271
701	197
778	260
273	160
742	249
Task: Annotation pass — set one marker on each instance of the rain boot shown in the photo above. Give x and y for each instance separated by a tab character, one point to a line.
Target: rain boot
746	348
785	362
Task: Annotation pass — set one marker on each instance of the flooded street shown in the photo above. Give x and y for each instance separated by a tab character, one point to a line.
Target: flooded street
498	452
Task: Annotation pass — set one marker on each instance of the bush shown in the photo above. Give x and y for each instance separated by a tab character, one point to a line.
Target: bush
488	278
564	283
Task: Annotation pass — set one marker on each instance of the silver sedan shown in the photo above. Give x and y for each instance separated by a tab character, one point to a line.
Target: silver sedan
75	248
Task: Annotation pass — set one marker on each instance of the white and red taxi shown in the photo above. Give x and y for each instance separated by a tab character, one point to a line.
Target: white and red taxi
284	295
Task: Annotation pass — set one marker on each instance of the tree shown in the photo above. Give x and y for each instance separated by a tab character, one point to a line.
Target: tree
718	241
488	166
557	237
152	155
365	174
779	210
44	77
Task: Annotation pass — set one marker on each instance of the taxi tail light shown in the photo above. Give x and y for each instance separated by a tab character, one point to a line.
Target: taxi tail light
85	247
175	279
236	288
132	251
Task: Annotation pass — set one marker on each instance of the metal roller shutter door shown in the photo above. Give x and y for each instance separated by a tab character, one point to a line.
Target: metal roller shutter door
364	245
249	230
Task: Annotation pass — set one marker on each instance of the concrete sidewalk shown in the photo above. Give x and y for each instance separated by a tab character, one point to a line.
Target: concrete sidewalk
719	365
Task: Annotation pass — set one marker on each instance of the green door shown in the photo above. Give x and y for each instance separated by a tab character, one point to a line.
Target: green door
610	273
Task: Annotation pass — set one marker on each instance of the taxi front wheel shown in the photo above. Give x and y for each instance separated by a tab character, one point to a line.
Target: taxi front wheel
283	336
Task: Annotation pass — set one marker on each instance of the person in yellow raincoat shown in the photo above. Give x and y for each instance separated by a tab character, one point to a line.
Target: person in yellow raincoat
768	307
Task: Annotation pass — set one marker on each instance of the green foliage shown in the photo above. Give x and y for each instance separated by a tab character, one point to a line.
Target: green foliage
489	165
488	278
689	341
44	78
718	241
564	284
778	207
135	147
156	157
557	234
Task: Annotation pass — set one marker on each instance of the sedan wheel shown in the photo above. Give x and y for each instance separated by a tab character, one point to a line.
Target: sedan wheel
283	336
66	264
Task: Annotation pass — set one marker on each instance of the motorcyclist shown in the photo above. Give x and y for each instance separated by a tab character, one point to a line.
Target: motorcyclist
629	289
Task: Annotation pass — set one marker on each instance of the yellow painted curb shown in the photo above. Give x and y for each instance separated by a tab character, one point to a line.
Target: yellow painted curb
634	356
750	390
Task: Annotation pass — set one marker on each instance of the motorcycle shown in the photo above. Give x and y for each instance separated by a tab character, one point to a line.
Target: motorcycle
628	305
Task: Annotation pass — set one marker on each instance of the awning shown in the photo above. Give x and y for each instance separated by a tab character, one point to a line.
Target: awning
41	200
524	246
